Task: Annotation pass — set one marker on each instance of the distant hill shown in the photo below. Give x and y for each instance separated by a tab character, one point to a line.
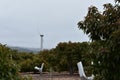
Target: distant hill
22	49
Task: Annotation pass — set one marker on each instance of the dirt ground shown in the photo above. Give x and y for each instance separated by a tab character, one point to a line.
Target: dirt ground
52	76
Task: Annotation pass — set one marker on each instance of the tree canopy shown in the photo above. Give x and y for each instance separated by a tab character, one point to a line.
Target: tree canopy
99	26
8	69
104	28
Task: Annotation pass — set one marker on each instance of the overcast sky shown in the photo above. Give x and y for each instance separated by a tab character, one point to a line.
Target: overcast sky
22	21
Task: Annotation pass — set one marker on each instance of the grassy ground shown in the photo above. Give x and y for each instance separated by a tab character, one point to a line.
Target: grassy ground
52	76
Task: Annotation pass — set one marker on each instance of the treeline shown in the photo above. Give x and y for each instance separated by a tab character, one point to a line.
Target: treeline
62	58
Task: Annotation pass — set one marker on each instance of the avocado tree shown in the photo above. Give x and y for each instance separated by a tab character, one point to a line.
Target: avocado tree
68	54
8	69
104	28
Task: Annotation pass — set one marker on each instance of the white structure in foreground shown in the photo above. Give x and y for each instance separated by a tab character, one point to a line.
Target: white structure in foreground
39	69
82	73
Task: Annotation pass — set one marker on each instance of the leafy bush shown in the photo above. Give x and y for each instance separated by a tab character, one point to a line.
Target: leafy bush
8	69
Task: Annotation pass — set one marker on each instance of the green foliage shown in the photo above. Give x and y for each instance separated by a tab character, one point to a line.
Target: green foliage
114	41
27	65
63	58
98	25
91	24
24	60
8	69
69	54
104	30
114	45
49	58
66	55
